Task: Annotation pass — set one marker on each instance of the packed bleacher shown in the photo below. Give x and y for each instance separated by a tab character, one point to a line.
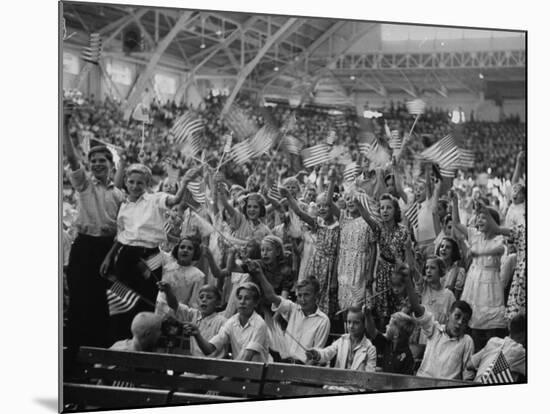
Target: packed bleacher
398	268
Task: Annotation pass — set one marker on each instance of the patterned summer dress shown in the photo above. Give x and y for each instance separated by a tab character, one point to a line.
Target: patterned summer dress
355	237
516	297
323	265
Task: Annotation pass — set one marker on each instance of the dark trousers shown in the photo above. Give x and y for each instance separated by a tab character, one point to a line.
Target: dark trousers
129	272
88	314
482	336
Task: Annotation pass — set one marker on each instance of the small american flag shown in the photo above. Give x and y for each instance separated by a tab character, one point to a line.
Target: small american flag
366	148
186	127
444	152
395	139
499	372
92	53
120	298
416	107
85	144
228	140
292	145
466	158
242	152
371	205
412	215
318	154
447	172
263	140
274	193
154	262
351	172
196	188
239	122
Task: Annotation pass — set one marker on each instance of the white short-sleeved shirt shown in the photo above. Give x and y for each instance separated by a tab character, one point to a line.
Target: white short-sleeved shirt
252	336
512	351
141	222
311	331
445	357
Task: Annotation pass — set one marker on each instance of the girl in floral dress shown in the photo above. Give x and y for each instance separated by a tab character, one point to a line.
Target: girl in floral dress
390	236
324	261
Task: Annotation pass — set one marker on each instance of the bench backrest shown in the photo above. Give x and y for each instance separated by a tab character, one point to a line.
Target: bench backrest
285	380
151	370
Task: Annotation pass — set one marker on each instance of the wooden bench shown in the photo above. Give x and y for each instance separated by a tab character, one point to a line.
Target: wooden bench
155	379
205	379
285	380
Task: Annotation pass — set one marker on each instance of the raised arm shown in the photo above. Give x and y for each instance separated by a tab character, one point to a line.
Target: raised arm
68	108
119	175
332	182
370	325
366	216
457	226
416	307
520	161
257	273
222	196
172	200
216	271
294	206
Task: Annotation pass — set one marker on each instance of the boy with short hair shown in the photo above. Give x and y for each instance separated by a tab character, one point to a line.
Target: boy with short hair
512	348
145	334
307	324
448	348
208	321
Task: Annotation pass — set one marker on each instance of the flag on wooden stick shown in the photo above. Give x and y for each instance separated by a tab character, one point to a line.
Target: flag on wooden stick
121	299
274	193
412	215
92	53
395	140
197	190
318	154
292	145
351	172
416	107
242	152
239	122
371	205
186	127
263	139
499	372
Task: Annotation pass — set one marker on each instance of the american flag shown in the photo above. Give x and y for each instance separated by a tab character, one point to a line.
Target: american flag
274	193
444	152
120	298
263	140
366	148
318	154
412	215
187	127
92	53
239	122
466	158
371	205
447	172
85	143
154	262
192	146
292	145
197	190
351	172
416	107
499	372
242	152
395	140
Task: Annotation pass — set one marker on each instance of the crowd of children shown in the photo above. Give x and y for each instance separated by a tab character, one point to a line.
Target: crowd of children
318	276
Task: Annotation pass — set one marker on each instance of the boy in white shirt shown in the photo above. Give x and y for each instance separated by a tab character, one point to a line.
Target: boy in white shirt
307	324
448	348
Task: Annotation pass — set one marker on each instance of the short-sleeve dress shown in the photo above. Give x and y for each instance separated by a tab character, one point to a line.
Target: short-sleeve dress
483	289
355	237
323	264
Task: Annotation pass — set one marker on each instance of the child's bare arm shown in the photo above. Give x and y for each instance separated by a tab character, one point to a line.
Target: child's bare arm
69	148
192	330
172	200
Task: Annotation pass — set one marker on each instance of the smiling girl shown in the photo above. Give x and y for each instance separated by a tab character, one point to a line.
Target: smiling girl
455	275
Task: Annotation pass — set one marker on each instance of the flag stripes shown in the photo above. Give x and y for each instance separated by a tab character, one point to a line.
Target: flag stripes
263	139
318	154
186	127
395	140
274	193
366	148
292	145
238	122
351	172
197	191
155	261
466	158
92	53
371	205
120	298
499	372
242	152
416	107
412	215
